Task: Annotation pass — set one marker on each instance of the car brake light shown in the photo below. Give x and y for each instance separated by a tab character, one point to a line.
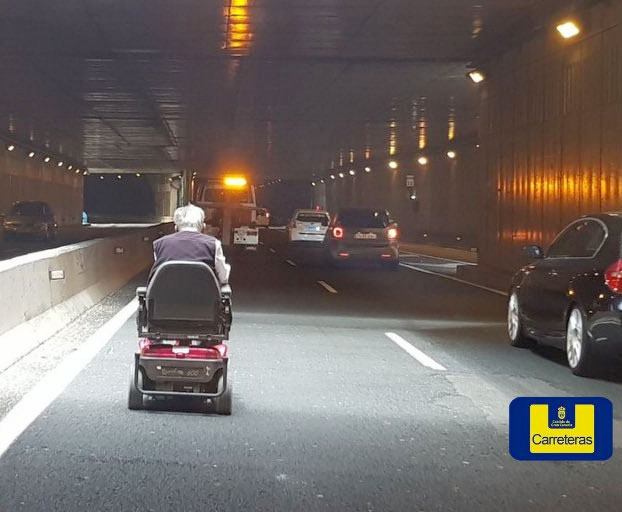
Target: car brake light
392	233
338	232
613	276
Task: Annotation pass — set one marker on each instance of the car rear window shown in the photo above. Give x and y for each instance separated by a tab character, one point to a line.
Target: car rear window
364	218
312	217
27	209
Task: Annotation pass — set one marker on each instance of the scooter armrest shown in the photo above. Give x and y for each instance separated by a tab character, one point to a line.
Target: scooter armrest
141	292
226	291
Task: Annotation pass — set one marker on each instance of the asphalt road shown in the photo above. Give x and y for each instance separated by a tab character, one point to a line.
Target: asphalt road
329	412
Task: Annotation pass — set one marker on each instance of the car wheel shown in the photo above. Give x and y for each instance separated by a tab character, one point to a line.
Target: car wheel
135	397
515	324
577	343
393	265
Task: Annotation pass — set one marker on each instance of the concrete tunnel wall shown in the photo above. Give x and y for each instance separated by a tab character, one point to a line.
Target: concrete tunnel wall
23	178
551	131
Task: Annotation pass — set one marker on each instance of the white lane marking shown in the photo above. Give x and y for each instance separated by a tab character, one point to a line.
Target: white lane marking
458	280
405	253
290	262
273	251
28	409
327	287
424	359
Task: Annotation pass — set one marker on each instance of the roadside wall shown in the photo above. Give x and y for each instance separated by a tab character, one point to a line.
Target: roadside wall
92	270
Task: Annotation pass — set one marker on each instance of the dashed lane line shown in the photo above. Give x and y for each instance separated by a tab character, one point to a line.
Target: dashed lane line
327	287
424	359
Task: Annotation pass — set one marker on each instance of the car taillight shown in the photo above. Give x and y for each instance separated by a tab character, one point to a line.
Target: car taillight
338	232
392	233
613	277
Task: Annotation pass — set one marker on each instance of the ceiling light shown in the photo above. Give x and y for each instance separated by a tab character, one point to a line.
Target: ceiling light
138	175
118	176
332	176
568	29
321	181
31	154
313	183
60	164
77	171
101	177
393	164
422	160
451	154
367	169
342	175
46	159
352	172
70	167
85	173
11	147
477	76
413	196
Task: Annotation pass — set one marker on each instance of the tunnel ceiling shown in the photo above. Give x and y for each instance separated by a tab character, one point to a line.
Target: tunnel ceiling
275	86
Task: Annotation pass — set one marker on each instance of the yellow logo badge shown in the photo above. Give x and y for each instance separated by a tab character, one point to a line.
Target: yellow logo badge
560	435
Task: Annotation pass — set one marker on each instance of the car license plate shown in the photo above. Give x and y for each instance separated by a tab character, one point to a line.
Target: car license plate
365	236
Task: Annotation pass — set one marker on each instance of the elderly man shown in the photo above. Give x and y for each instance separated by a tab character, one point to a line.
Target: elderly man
188	243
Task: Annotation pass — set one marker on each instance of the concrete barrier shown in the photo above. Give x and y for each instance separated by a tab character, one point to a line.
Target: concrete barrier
40	293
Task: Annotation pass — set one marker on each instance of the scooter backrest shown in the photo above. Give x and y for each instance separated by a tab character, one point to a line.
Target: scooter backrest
183	291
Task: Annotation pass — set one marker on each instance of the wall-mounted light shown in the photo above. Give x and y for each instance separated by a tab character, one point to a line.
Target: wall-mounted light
451	154
10	147
393	164
367	169
422	160
31	154
477	76
568	29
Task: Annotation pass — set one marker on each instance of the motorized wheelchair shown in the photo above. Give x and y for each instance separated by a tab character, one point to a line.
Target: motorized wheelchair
184	317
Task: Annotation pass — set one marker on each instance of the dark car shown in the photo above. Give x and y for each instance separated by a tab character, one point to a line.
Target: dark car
30	218
571	297
363	235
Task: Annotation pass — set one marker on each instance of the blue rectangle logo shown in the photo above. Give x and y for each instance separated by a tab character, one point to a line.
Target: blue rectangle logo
557	428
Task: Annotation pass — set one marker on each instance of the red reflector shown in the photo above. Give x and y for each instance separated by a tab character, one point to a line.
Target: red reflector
338	232
386	255
392	233
613	277
344	254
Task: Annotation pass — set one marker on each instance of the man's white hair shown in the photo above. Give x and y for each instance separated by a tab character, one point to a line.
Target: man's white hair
189	218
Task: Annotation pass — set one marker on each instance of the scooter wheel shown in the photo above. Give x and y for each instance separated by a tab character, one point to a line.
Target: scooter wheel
224	403
135	397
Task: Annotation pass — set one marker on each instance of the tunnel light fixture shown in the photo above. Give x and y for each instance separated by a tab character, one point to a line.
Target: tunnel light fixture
313	183
31	154
322	181
101	177
368	169
119	176
332	176
70	167
85	173
393	164
77	171
413	197
60	164
342	175
568	29
138	175
352	172
451	154
10	147
477	76
46	159
422	160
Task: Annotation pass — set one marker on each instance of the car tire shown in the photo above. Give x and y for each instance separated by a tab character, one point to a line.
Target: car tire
516	334
135	399
394	266
577	344
223	405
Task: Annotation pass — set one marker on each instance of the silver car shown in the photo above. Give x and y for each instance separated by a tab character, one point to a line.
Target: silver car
30	218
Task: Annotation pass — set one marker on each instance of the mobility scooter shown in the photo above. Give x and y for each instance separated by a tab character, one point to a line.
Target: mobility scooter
184	318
